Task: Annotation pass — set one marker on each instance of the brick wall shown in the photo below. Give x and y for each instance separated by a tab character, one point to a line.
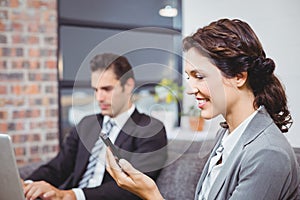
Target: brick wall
28	77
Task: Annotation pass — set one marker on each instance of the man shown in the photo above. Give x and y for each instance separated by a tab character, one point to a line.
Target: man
138	137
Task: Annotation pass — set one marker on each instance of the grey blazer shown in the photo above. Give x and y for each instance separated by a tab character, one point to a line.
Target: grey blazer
262	165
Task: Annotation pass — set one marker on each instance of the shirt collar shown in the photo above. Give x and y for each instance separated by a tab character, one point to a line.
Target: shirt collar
230	140
121	119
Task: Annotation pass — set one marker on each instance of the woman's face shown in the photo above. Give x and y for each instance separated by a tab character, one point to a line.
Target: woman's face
213	92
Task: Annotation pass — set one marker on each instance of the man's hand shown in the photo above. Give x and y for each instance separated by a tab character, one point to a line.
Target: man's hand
46	191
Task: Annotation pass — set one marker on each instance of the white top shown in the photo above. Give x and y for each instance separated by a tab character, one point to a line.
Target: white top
228	142
97	177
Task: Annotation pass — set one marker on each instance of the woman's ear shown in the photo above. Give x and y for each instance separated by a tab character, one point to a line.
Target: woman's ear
241	79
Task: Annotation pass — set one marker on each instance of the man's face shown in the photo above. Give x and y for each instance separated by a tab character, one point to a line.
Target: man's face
112	98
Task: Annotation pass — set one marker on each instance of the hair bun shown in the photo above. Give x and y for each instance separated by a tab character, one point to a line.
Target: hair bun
263	67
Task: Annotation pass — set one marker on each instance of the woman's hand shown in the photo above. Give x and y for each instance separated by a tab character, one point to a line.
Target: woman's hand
127	177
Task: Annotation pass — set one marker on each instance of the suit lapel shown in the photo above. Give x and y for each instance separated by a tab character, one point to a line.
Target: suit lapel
88	136
205	169
128	129
256	126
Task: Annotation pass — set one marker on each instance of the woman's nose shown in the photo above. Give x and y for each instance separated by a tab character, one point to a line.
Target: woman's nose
192	90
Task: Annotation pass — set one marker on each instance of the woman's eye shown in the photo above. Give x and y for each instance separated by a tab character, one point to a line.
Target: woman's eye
186	76
199	76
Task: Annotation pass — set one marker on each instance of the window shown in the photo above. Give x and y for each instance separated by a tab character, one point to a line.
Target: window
154	52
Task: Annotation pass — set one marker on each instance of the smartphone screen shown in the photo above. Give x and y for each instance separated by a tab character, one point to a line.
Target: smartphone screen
109	144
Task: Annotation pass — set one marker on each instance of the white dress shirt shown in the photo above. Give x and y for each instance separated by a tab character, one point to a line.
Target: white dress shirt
97	177
229	140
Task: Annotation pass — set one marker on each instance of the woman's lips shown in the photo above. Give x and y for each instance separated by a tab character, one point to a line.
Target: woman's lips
201	102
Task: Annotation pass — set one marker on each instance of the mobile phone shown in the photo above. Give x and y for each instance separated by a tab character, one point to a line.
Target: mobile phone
109	144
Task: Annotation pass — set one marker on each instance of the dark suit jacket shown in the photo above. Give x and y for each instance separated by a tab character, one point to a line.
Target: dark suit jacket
142	141
262	165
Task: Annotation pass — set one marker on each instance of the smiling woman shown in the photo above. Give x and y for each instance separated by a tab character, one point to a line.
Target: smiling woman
230	75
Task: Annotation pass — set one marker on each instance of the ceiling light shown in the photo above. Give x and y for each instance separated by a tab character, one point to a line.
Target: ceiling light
168	11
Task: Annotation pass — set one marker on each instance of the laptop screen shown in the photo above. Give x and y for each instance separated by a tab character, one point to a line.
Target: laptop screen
11	187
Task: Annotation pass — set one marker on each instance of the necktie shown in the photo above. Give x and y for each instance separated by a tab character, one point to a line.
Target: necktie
94	156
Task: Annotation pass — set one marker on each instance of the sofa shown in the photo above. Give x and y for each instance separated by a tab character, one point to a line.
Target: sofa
178	179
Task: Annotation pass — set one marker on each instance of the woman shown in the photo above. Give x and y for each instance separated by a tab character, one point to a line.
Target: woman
229	74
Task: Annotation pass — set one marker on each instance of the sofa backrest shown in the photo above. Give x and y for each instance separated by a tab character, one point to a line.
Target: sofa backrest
186	159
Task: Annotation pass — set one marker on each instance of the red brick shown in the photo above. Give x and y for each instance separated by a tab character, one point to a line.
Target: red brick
19	114
16	89
3	14
34	65
3	127
34	76
33	40
2	26
35	159
17	64
5	51
34	52
14	3
34	113
51	40
51	64
3	115
17	15
34	137
51	124
21	161
33	27
32	89
3	39
17	39
34	150
17	52
50	28
2	102
51	112
51	136
15	126
3	64
49	16
19	138
3	89
17	27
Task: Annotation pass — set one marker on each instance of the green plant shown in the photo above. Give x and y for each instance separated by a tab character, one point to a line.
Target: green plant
168	91
193	111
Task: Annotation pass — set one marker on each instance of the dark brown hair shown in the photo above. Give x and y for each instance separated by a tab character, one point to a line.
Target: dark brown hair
119	64
234	48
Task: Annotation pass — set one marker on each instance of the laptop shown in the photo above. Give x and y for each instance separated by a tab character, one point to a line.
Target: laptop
10	184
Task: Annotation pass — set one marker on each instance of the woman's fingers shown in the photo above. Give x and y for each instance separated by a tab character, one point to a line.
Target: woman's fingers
128	168
112	163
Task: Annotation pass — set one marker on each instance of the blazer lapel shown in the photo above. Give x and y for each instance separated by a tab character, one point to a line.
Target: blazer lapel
128	129
205	169
255	127
88	137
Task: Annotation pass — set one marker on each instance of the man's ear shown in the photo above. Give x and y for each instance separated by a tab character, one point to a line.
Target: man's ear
129	85
241	79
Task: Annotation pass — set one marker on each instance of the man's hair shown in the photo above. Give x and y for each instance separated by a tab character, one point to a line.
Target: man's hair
119	65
